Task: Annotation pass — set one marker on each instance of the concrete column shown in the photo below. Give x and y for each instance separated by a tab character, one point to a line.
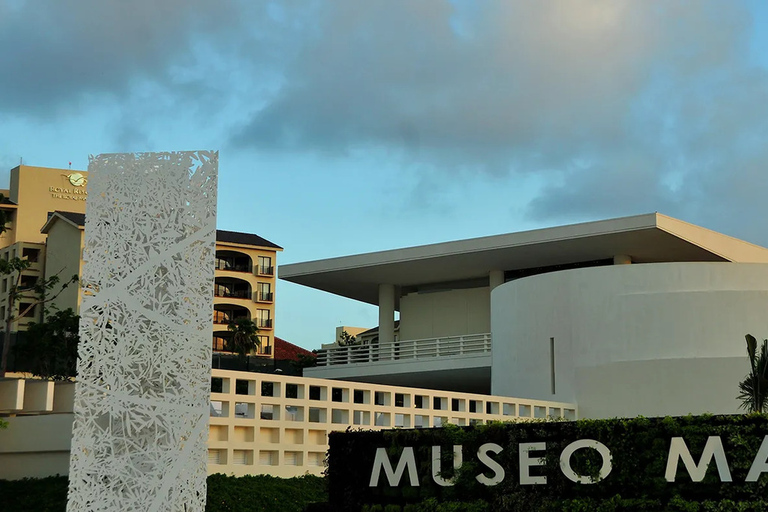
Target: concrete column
386	314
622	259
495	278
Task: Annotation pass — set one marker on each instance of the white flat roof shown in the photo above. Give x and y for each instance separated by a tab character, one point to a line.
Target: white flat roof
647	238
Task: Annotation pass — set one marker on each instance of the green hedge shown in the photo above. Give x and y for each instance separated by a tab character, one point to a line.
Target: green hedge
225	494
639	449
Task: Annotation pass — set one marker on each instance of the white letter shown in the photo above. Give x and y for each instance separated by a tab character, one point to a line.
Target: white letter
457	461
759	467
526	463
393	477
679	450
498	471
565	460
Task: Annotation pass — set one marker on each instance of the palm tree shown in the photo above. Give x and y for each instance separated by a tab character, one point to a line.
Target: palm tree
754	388
244	338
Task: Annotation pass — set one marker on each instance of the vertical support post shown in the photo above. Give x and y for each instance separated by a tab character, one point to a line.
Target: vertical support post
552	363
387	318
495	278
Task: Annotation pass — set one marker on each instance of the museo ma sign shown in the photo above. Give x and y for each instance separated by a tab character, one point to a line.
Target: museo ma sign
696	458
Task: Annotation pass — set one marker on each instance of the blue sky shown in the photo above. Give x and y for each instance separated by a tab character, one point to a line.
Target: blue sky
348	126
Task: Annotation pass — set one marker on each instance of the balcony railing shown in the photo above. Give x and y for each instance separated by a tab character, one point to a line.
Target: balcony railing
407	349
264	297
266	271
264	323
220	317
234	294
233	267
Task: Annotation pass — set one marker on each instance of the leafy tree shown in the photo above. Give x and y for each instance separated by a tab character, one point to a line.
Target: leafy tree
305	361
49	349
346	339
244	339
754	387
38	294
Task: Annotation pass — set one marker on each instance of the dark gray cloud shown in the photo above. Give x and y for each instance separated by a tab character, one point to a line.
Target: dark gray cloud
619	106
56	51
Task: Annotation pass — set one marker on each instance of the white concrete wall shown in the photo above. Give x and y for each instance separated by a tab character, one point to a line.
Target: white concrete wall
654	339
448	313
35	446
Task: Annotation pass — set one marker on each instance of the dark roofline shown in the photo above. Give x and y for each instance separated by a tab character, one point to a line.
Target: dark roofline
75	218
235	237
221	235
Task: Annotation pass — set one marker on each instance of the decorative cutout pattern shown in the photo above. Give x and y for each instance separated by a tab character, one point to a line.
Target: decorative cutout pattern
143	379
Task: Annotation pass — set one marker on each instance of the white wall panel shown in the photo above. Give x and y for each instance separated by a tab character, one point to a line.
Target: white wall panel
143	377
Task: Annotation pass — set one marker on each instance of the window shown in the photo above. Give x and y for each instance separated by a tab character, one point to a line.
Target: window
267	388
5	285
291	391
217	384
23	307
359	396
265	266
220	343
314	392
265	346
241	387
30	254
27	282
265	292
337	394
263	318
399	400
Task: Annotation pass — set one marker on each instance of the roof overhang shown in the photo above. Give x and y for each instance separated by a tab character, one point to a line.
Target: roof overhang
645	238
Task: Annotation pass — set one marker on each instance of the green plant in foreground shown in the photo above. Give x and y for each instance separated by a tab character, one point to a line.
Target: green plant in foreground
754	388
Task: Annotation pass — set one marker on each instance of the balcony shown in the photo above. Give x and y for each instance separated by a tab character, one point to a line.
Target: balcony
469	344
232	288
231	261
228	266
264	323
233	294
264	297
226	316
266	271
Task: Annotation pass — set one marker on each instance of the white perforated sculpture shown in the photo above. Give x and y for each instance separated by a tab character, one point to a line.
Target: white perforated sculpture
143	378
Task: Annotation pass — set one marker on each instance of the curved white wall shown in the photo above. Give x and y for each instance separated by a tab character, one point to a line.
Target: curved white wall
646	339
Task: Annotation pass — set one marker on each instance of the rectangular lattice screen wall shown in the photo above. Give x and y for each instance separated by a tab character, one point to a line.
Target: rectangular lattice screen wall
143	378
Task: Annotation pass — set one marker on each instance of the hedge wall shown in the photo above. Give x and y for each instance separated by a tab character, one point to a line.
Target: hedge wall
225	494
639	449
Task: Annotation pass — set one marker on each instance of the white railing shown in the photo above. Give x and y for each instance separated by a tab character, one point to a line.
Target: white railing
407	349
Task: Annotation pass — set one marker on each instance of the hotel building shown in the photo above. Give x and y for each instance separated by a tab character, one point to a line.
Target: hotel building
47	218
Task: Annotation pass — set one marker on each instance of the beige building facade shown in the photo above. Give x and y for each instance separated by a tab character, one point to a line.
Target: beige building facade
259	423
47	219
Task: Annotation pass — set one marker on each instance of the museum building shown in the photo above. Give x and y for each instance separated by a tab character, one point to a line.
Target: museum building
642	315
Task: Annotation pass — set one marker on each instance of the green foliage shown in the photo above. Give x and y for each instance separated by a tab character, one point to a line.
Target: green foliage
3	424
49	349
753	390
225	494
39	294
304	361
263	492
244	339
346	339
639	449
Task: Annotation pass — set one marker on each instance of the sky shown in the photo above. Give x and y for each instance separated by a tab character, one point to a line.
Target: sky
347	126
